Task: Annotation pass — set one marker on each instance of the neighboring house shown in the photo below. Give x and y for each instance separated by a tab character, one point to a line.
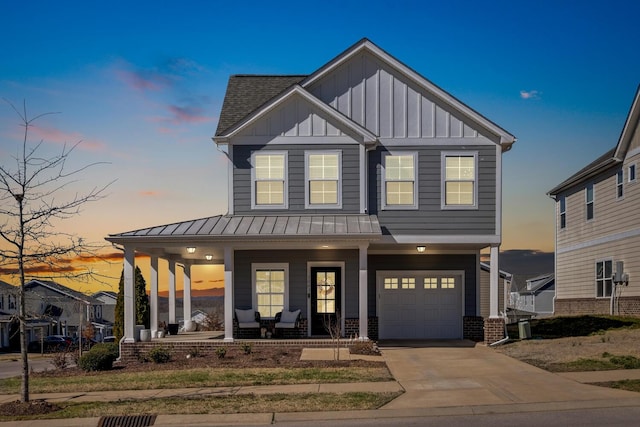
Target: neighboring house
63	306
104	327
598	230
8	311
503	290
536	296
361	192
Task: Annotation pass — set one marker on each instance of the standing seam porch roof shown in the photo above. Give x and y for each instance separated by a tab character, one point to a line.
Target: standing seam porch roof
247	226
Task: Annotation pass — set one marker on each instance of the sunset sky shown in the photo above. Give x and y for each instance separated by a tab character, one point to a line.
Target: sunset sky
141	85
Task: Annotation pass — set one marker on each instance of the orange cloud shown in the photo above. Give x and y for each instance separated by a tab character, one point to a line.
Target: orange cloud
149	193
60	137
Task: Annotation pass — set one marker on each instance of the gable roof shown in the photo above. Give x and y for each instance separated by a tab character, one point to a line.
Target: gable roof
609	159
245	98
63	290
246	93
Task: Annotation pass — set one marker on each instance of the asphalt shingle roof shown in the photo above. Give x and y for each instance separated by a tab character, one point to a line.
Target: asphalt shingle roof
245	93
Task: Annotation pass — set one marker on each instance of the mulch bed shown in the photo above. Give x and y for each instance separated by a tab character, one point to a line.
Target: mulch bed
34	407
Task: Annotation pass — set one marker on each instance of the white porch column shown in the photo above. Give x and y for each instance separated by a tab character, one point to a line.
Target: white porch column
494	278
129	299
172	291
362	300
186	298
154	296
228	294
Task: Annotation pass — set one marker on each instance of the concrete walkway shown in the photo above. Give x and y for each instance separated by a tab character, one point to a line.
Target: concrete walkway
439	378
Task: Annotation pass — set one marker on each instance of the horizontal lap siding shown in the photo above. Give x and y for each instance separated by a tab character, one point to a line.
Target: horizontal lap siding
467	263
297	261
575	277
430	218
296	178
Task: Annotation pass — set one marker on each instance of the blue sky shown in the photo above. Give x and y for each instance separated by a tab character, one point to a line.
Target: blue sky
141	84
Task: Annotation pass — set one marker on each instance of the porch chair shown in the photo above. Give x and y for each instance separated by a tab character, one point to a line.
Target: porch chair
248	319
287	320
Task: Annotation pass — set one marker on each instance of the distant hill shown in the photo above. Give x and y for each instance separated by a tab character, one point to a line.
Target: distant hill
195	293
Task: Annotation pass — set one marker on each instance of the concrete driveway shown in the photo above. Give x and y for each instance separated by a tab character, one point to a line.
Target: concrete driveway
462	373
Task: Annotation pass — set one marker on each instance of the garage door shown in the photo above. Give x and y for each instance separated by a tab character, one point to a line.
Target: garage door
420	305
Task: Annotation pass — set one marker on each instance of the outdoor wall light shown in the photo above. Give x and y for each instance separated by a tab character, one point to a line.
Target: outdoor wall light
421	249
191	249
208	257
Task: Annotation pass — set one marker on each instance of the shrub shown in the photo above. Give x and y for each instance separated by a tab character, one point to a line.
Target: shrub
59	360
159	355
221	352
364	347
99	358
247	348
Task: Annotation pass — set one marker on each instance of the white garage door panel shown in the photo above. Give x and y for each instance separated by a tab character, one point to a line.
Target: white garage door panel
419	313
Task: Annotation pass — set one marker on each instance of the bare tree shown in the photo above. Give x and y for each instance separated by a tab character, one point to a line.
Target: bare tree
32	203
333	325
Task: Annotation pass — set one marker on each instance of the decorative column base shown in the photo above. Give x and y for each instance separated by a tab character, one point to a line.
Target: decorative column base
493	330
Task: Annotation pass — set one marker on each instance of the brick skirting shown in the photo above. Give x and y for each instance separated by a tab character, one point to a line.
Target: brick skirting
625	306
473	328
493	330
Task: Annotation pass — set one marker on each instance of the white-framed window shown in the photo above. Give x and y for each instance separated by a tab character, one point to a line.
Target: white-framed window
588	194
270	285
563	212
12	302
604	282
459	180
323	175
399	180
631	175
269	180
620	184
1	302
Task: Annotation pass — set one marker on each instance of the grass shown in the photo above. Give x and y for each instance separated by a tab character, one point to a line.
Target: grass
204	377
629	385
579	326
249	403
608	362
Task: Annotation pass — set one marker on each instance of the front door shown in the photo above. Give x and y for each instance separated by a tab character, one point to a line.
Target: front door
325	299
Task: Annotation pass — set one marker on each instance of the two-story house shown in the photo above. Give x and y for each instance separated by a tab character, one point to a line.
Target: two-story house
64	307
361	191
598	230
8	311
536	296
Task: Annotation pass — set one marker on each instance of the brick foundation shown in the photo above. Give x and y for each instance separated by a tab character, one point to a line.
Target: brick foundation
473	328
493	330
625	306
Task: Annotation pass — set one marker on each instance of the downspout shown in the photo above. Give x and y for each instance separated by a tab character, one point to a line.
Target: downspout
506	333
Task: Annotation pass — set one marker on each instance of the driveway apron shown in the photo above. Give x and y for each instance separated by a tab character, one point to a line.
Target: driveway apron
462	373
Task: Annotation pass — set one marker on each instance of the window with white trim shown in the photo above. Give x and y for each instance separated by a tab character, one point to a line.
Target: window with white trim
631	176
1	302
323	174
459	186
269	180
620	184
604	282
12	302
399	181
563	212
270	285
589	201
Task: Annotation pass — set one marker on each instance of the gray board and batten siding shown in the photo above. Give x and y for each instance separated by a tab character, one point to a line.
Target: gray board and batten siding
350	182
430	218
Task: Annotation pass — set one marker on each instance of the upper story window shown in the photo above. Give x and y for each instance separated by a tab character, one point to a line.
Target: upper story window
12	302
620	184
400	187
269	180
589	201
270	284
632	173
1	302
460	181
563	212
323	174
604	283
